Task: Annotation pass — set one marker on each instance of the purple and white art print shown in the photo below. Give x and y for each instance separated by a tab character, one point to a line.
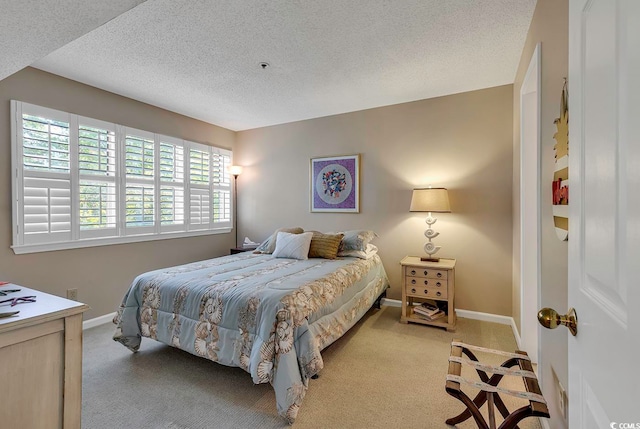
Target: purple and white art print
335	183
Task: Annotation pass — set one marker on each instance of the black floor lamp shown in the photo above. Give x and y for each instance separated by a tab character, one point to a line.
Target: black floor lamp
235	171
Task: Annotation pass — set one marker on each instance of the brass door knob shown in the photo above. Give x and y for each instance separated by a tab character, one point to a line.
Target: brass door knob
550	319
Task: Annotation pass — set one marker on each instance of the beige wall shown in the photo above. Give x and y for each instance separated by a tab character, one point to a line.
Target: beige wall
101	274
549	27
462	142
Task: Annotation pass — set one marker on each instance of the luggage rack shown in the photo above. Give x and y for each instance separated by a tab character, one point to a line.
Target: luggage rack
489	390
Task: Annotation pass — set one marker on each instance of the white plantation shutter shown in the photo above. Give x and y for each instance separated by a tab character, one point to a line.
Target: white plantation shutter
45	140
43	204
47	210
80	182
221	188
97	193
199	208
172	186
199	189
139	192
97	215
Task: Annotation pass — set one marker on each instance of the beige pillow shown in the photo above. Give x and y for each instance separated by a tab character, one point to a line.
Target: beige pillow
269	245
325	245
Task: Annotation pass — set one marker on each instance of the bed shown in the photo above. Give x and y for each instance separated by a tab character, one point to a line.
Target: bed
269	316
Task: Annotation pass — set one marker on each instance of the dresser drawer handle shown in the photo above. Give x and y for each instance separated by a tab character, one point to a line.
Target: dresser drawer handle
426	282
439	275
413	290
438	293
438	284
413	281
425	272
426	291
413	272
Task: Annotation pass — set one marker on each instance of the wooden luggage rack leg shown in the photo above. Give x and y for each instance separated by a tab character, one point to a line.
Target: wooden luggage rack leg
537	406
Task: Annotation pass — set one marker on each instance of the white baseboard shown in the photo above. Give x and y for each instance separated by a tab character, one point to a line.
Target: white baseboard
467	314
485	317
92	323
391	302
475	315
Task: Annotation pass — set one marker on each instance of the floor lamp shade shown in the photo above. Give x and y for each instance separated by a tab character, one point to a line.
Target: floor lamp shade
430	200
235	170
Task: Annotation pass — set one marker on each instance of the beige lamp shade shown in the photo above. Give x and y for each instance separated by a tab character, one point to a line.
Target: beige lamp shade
430	200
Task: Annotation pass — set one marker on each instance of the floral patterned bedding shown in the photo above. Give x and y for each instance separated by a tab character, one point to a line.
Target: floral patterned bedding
269	316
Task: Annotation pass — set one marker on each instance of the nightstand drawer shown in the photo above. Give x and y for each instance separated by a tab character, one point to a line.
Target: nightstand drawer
426	272
433	292
426	282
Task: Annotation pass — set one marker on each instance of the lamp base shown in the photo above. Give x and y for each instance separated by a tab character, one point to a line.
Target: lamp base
425	259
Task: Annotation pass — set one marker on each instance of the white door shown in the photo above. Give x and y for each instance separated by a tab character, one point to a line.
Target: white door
604	220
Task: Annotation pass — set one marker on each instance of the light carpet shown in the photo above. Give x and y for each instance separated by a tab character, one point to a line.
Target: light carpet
381	374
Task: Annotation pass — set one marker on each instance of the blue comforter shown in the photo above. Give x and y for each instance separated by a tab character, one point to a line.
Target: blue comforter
269	316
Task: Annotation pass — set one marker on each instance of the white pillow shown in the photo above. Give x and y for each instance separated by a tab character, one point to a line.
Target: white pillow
294	246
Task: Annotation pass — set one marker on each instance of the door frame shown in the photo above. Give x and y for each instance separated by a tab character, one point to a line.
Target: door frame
530	228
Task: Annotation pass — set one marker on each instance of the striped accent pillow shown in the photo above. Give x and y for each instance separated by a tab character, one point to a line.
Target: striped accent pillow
325	245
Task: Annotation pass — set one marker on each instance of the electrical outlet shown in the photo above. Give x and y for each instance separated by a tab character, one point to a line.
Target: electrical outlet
72	294
561	395
565	404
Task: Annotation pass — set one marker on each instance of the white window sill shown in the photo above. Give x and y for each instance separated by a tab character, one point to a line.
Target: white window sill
94	242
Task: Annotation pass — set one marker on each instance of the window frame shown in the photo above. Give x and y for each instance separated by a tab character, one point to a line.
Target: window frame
80	238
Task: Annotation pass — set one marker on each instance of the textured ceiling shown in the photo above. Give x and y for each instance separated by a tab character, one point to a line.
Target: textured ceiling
31	29
200	58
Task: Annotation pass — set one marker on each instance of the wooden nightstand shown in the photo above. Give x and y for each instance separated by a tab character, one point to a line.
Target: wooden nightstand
235	250
423	281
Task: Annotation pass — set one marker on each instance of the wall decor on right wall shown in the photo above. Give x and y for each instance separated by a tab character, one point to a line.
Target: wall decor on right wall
561	172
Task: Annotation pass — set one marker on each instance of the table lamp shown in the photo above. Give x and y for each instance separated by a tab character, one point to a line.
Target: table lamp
430	200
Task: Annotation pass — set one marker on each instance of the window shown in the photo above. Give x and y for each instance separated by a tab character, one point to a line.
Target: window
82	182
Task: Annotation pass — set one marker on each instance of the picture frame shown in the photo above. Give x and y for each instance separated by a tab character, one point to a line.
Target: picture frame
335	184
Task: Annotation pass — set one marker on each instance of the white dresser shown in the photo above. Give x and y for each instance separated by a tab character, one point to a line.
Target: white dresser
41	362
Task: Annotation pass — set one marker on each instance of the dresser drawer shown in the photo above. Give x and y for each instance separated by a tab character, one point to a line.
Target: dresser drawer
432	291
426	272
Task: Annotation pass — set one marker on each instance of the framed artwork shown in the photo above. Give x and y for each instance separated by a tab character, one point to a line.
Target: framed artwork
335	184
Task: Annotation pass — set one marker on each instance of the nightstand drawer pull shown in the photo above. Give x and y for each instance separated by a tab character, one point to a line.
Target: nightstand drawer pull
439	275
426	291
438	284
413	290
413	281
426	282
438	293
425	273
413	272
